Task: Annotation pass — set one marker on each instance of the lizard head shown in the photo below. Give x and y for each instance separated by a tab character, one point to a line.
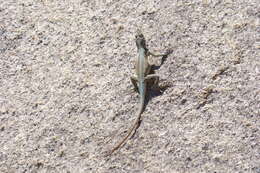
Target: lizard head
140	40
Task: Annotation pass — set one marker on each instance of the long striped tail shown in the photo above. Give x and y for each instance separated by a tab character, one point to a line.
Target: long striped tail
135	125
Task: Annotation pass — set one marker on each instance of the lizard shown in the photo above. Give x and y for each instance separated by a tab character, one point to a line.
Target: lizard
143	70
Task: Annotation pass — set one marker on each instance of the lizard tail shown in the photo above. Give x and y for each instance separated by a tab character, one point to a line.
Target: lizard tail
134	126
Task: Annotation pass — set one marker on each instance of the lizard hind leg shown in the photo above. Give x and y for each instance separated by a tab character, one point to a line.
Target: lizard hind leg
134	82
155	78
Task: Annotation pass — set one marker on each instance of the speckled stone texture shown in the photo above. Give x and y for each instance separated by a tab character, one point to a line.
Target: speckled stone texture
66	97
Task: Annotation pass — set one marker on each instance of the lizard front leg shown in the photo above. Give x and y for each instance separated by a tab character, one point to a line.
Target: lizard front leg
157	55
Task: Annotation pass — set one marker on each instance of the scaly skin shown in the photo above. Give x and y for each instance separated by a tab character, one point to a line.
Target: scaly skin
142	68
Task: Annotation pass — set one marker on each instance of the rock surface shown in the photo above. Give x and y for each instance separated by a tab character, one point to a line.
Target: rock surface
66	97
